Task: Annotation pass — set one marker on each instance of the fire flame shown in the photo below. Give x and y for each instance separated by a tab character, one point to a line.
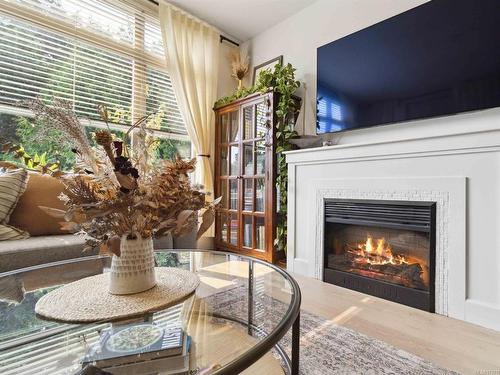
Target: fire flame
378	253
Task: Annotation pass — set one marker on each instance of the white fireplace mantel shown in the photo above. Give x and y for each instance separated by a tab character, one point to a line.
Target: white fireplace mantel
458	171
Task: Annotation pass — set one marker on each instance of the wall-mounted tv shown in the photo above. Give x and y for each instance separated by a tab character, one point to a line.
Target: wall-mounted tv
440	58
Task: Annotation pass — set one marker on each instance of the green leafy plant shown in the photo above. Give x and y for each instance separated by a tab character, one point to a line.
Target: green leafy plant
238	94
282	80
36	162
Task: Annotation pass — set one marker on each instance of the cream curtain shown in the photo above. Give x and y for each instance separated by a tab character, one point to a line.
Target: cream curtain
192	53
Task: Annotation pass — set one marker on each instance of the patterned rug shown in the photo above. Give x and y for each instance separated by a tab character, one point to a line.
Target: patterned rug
325	347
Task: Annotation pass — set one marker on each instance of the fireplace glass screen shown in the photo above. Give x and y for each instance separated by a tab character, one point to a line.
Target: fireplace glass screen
383	248
396	256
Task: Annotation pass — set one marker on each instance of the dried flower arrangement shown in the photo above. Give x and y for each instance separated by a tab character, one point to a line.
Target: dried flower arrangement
239	65
114	195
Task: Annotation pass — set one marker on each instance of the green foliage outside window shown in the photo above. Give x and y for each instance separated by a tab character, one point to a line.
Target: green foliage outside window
168	148
20	131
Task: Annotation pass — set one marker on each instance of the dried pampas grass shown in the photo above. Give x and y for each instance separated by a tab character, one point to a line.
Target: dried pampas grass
239	63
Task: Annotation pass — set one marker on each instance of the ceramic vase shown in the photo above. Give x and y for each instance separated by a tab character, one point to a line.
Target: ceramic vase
134	270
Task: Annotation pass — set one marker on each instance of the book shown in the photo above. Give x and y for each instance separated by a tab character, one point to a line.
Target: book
120	345
173	365
247	235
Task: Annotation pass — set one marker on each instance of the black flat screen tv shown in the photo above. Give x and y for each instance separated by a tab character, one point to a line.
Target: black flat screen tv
440	58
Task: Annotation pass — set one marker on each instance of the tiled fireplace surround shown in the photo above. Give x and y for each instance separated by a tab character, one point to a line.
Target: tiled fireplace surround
386	189
458	170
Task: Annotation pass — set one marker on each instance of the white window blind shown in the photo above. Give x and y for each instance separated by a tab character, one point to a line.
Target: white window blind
89	52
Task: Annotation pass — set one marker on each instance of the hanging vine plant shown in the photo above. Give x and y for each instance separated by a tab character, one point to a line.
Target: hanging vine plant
282	81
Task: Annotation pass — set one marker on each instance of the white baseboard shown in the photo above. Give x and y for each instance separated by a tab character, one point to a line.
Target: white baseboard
300	267
482	314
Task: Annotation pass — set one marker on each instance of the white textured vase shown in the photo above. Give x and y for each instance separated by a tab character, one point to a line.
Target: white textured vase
134	270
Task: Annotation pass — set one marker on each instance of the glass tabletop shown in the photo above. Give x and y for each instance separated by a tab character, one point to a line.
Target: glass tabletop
236	318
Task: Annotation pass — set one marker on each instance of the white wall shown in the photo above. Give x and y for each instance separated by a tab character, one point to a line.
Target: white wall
227	84
298	37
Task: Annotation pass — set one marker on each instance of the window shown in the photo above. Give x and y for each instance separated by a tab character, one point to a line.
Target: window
90	53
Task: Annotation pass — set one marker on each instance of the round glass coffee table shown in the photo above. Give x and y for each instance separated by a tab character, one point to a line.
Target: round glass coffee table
243	318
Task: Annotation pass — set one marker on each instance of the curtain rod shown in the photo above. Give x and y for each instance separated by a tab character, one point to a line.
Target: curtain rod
222	37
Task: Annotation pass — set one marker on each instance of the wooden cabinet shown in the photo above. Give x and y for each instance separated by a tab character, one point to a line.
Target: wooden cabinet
245	176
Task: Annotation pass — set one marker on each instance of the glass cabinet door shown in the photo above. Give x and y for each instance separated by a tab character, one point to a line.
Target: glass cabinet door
243	180
253	176
229	170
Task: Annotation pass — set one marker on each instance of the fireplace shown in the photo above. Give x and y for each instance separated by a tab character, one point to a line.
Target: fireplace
382	248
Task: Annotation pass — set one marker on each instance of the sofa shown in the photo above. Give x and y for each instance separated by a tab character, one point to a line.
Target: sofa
47	241
37	250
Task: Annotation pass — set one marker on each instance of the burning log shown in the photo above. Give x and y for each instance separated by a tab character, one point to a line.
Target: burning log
385	264
409	275
411	272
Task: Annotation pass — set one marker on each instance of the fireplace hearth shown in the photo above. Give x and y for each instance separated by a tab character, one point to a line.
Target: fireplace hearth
382	248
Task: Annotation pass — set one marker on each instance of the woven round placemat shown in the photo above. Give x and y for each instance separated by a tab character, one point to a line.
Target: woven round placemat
88	300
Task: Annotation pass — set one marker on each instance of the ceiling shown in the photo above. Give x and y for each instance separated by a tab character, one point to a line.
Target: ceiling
242	19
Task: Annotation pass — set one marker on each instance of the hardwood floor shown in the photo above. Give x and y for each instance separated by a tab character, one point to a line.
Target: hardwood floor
447	342
215	348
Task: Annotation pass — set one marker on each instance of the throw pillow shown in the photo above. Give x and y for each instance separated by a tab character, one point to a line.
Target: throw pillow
12	186
42	190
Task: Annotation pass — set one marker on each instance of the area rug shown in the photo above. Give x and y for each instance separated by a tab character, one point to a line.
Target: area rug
325	347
